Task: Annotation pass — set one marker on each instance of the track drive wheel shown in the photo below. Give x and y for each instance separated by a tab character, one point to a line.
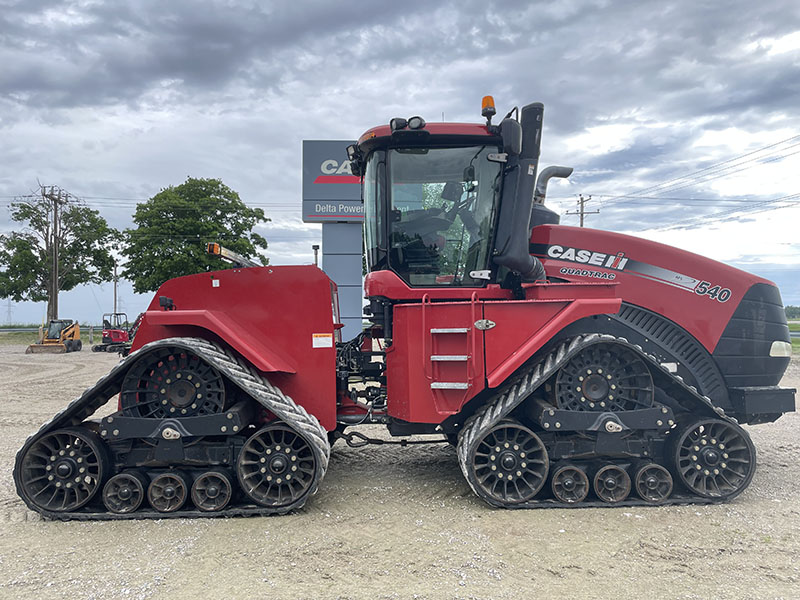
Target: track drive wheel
570	484
276	467
63	470
612	484
124	492
653	483
212	491
604	377
509	465
172	382
715	458
168	491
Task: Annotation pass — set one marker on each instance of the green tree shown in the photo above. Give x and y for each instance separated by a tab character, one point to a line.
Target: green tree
174	226
83	240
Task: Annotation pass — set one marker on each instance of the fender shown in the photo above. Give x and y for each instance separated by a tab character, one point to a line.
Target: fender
527	346
237	337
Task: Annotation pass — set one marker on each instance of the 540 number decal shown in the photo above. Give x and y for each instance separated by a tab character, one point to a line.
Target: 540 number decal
715	292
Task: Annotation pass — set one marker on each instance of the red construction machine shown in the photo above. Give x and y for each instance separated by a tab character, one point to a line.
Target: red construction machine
116	335
568	366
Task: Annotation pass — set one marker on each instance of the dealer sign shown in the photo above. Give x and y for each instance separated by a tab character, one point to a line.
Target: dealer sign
331	193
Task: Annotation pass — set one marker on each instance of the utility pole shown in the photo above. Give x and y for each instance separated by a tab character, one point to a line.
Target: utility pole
57	197
8	313
115	286
581	208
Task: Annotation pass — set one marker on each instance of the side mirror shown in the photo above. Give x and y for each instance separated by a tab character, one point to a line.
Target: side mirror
511	133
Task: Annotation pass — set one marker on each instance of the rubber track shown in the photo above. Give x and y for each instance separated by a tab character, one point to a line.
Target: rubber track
234	369
516	391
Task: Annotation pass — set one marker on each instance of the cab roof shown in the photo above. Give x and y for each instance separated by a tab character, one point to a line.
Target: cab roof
429	135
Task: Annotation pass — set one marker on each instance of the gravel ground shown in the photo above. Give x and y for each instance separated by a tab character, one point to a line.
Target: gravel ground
393	522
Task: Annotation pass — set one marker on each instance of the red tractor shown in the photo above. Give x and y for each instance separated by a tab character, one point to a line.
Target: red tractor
568	366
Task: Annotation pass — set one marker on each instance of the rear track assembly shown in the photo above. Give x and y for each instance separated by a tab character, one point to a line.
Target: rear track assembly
64	471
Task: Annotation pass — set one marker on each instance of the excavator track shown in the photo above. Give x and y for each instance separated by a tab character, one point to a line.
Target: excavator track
236	371
495	415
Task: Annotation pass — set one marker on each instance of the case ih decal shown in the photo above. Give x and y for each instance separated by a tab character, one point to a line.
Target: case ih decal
588	257
620	262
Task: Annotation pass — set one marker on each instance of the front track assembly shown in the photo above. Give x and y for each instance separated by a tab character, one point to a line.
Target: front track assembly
612	427
199	433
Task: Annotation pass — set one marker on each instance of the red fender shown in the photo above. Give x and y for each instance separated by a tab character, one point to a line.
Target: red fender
236	336
527	341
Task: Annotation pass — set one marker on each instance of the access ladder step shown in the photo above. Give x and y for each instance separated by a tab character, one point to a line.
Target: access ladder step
449	385
449	357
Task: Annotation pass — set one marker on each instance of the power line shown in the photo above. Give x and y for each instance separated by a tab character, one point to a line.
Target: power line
716	170
731	214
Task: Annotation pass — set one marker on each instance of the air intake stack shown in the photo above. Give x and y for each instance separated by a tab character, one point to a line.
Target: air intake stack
513	230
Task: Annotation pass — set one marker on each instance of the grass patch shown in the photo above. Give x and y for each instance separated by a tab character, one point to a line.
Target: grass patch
8	338
796	347
794	326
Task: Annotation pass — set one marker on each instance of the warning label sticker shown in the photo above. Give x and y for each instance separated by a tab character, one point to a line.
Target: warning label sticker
322	340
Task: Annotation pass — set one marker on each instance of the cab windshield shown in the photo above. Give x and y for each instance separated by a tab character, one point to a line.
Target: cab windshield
439	214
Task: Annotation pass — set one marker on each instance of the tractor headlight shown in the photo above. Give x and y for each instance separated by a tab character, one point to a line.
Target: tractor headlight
780	349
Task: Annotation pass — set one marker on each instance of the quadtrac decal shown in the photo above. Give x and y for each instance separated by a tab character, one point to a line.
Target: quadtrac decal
620	262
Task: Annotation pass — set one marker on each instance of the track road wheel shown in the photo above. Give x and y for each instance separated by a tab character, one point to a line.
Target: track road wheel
509	466
63	470
276	467
653	483
714	458
612	484
172	382
570	484
168	491
212	491
124	492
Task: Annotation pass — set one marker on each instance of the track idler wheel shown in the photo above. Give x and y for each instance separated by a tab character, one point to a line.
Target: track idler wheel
212	491
570	484
172	382
653	483
509	466
63	470
168	491
276	466
604	377
714	458
612	484
124	492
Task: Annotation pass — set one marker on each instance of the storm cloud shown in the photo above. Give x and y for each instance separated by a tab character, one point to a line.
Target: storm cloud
115	100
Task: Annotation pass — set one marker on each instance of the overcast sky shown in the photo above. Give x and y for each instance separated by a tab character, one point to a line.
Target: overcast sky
667	111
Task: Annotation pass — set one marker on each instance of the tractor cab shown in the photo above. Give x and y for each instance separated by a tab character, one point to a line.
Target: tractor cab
448	205
430	209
